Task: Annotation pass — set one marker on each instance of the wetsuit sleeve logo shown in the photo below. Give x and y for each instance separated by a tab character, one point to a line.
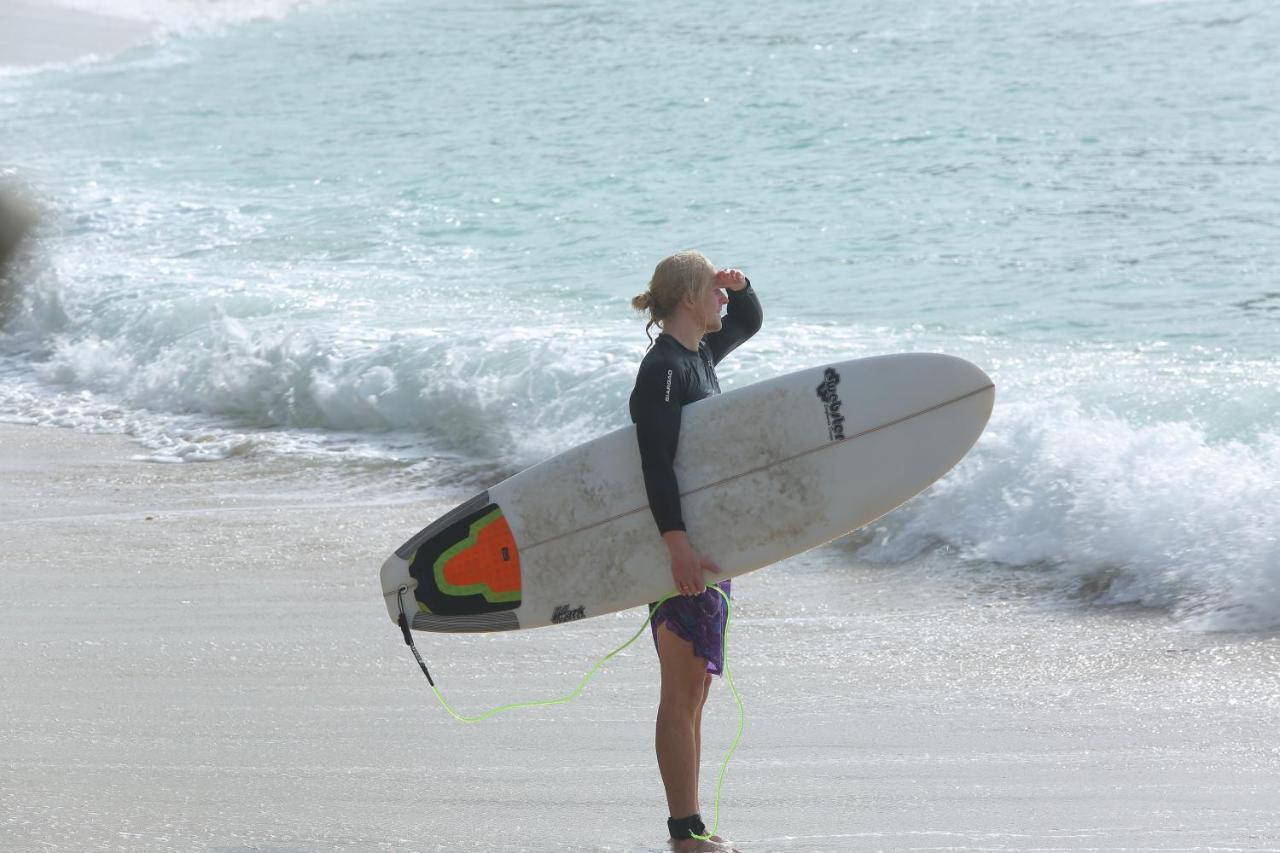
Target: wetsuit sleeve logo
831	401
667	398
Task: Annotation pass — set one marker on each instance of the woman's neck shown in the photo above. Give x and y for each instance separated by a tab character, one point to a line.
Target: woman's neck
686	330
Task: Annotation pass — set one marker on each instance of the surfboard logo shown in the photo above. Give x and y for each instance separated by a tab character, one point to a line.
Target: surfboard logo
831	401
565	613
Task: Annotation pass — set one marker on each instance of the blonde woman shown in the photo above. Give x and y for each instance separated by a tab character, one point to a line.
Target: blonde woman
684	299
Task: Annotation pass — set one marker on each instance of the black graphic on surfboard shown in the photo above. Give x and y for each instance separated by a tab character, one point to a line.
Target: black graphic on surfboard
470	567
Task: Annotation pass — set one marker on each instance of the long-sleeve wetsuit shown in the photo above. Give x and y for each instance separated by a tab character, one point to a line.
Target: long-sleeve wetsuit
670	376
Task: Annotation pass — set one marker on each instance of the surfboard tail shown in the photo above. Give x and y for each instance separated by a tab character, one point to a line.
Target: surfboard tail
460	573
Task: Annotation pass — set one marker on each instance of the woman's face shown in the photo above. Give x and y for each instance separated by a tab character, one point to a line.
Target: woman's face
708	307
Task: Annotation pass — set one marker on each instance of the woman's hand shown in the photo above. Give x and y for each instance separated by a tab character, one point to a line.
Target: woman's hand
687	565
731	279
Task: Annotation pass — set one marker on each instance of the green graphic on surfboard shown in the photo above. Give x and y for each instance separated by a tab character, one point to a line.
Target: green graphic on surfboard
470	567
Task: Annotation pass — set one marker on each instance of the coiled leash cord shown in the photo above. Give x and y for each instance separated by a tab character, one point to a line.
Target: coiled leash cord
561	700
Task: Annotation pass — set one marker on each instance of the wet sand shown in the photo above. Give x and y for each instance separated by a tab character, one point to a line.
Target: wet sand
197	657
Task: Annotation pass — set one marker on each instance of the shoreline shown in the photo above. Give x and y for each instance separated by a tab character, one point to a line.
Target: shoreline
33	35
197	658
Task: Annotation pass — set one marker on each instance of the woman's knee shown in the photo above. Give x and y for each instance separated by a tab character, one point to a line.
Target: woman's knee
684	695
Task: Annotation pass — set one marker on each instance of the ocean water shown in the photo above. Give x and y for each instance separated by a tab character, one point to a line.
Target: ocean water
395	241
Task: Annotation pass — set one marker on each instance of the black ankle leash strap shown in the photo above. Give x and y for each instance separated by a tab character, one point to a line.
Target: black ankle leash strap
686	827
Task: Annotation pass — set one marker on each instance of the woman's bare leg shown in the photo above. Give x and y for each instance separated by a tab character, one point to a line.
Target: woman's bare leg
697	730
679	711
685	687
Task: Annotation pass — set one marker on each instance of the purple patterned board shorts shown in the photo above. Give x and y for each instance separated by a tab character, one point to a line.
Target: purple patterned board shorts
698	619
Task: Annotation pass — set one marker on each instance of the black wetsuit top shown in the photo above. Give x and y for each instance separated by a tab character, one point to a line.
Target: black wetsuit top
670	376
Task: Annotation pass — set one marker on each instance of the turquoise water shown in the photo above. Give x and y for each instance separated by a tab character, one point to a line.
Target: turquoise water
402	236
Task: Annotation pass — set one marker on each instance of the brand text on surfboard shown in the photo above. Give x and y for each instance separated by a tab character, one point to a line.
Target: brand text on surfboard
827	394
565	613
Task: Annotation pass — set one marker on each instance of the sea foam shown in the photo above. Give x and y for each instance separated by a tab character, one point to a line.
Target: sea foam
185	16
1153	515
1119	507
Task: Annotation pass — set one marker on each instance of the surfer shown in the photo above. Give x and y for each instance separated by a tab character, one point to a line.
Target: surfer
684	299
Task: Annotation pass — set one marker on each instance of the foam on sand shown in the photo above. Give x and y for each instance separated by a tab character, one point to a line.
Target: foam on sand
37	34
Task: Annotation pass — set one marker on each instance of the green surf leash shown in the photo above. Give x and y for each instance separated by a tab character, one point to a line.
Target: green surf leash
561	700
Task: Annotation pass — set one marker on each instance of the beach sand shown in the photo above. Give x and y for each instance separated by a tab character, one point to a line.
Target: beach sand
41	33
197	657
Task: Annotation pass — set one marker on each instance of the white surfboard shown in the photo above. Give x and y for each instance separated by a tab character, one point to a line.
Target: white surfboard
765	472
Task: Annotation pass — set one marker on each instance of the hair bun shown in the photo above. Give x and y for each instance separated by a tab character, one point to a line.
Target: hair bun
643	302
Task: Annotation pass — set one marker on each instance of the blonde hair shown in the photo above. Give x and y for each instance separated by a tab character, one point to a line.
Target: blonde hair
687	273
